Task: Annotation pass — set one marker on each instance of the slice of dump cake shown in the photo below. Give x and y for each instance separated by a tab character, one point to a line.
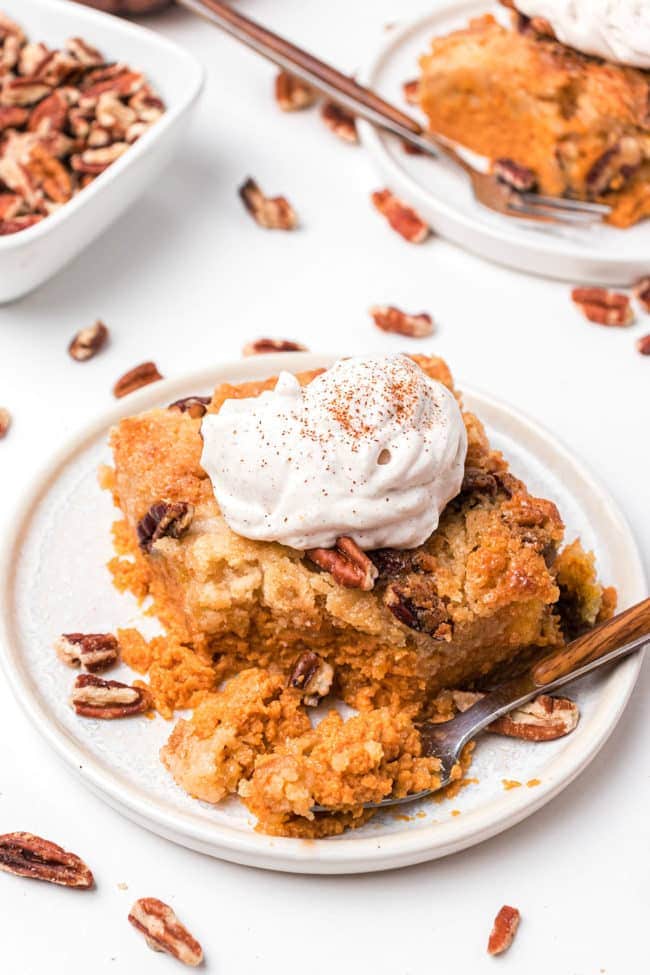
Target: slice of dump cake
484	579
581	124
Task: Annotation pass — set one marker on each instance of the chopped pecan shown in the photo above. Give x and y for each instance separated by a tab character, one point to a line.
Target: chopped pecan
475	479
503	930
196	406
339	121
347	564
411	91
5	421
46	172
604	307
113	115
19	223
142	375
88	342
10	205
402	218
23	91
115	78
94	651
50	115
164	519
164	932
292	94
313	676
94	697
95	161
518	177
264	346
615	167
416	606
641	292
391	319
643	345
272	213
12	117
84	52
26	855
545	718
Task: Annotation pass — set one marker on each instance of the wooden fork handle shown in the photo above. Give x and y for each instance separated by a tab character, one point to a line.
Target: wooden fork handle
295	59
626	626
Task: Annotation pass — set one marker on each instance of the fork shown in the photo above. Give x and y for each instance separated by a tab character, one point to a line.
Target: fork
345	91
609	641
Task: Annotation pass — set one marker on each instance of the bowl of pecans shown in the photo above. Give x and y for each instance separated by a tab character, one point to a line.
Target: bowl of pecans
91	110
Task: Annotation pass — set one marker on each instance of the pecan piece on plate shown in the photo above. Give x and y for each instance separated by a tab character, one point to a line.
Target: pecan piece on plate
94	697
164	519
513	174
402	218
293	94
339	121
164	932
264	346
545	718
411	91
94	651
196	406
503	930
391	319
26	855
642	345
641	292
142	375
604	307
88	342
272	213
347	564
313	676
5	421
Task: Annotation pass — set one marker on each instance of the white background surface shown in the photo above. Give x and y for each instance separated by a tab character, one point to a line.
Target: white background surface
186	278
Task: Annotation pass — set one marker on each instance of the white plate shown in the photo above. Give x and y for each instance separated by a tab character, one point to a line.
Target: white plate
54	580
602	255
30	257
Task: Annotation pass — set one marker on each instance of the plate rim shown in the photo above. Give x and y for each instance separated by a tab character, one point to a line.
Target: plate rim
353	855
508	234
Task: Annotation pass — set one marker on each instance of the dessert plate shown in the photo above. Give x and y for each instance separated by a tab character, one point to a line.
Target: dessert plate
600	255
54	580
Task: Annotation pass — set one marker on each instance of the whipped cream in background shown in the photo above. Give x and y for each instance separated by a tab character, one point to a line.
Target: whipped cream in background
617	30
372	449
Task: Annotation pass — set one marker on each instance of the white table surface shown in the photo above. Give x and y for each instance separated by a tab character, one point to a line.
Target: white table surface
186	278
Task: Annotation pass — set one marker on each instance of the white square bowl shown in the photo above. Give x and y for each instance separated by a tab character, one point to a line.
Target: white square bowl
30	257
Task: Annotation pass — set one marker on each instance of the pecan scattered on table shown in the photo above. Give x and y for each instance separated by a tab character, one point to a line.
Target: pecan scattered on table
164	519
391	319
339	121
643	345
88	342
26	855
545	718
411	91
604	307
196	406
94	697
313	676
272	213
347	564
293	94
402	218
264	346
641	292
504	929
142	375
94	651
5	421
164	932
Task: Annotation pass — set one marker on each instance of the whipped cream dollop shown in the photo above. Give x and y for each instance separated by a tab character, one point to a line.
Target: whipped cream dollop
617	30
372	449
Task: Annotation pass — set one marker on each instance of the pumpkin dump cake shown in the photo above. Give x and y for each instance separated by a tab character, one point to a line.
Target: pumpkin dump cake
366	543
580	124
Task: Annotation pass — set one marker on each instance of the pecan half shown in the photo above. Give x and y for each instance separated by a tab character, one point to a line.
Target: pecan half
164	519
88	342
503	930
272	213
313	676
164	932
94	697
196	406
411	91
402	218
292	94
264	346
347	563
142	375
94	651
84	52
641	292
604	307
545	718
613	169
391	319
339	121
23	91
5	421
26	855
95	161
513	174
642	345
